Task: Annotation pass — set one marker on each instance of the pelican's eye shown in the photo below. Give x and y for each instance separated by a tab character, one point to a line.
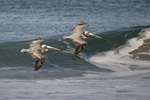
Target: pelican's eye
86	33
43	46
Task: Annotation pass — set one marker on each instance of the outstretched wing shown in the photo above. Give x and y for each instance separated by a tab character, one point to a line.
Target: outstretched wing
38	58
79	43
35	44
78	29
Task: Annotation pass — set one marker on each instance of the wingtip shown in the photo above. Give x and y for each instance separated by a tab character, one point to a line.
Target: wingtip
39	38
75	53
64	37
82	23
36	68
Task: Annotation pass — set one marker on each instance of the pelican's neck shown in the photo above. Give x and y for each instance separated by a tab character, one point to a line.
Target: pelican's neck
84	36
44	50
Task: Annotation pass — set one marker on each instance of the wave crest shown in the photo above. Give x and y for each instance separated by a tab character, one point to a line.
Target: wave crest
134	53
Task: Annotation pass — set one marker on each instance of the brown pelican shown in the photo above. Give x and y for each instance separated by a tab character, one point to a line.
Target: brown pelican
35	50
77	37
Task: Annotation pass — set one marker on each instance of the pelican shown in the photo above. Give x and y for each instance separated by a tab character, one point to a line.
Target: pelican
77	36
35	50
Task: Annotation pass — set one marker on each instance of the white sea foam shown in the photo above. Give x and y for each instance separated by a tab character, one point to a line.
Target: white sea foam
119	59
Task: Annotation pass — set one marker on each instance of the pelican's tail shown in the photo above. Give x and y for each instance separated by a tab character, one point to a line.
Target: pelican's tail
66	37
24	50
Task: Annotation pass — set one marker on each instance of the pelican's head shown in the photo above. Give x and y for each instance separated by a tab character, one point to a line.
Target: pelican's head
46	47
88	34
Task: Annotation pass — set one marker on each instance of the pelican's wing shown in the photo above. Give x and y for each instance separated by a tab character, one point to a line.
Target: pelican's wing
79	43
78	29
38	58
35	44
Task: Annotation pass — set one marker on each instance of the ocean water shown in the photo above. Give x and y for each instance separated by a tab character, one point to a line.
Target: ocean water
116	67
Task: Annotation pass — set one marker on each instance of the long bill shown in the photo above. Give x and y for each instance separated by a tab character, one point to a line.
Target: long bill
52	48
96	36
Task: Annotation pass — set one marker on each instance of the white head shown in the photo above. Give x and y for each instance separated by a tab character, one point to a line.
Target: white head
43	46
46	47
88	34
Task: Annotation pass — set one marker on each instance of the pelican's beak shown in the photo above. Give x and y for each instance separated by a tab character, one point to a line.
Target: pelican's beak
52	48
96	36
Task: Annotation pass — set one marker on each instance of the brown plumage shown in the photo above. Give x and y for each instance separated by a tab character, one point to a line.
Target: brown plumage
77	36
36	50
80	44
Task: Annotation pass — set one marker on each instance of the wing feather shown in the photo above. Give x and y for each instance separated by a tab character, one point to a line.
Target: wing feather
78	29
35	44
79	43
38	58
